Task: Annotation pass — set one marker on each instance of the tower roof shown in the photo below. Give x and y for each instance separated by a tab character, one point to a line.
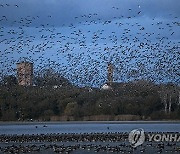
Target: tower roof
24	60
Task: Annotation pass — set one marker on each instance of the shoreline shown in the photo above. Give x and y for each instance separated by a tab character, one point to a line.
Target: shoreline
90	122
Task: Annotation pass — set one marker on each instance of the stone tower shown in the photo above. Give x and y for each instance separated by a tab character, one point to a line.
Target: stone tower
110	74
25	73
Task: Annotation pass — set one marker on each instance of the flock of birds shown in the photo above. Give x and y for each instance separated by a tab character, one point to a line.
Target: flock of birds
81	50
81	143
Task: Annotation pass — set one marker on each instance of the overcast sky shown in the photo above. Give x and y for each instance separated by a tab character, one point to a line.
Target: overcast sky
64	31
63	11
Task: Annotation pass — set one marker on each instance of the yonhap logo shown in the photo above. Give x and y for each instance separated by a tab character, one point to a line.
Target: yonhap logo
136	137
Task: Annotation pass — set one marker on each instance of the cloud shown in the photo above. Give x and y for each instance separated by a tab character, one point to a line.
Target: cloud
65	11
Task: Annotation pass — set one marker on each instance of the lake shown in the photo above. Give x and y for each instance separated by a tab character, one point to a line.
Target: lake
85	127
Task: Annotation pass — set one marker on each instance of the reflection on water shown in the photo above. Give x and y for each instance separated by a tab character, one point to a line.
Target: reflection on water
84	127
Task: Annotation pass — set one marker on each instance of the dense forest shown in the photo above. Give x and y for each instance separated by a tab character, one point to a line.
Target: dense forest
54	96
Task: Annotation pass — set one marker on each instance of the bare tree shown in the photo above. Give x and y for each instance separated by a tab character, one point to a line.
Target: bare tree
163	97
179	99
170	103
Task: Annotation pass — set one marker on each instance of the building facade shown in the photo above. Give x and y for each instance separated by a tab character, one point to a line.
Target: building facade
110	74
25	73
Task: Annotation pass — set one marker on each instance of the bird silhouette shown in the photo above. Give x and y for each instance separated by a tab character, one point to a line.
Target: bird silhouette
83	48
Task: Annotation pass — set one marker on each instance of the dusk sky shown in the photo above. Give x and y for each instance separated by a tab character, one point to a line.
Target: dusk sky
78	38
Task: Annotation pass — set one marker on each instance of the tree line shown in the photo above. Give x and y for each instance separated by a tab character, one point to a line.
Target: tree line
54	95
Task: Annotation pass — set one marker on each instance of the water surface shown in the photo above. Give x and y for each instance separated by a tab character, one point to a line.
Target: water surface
85	127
